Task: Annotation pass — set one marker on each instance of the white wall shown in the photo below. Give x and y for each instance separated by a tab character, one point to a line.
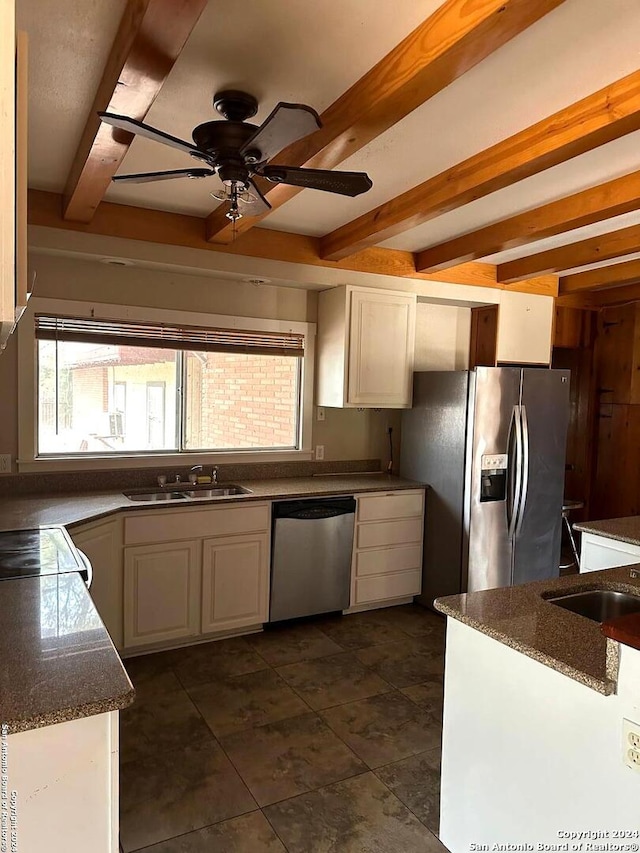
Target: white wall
442	337
529	752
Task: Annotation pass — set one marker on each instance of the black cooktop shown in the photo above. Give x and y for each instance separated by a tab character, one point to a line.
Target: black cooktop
41	551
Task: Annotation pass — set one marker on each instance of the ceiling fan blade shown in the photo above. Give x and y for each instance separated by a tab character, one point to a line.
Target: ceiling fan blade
131	125
257	206
286	124
147	177
344	183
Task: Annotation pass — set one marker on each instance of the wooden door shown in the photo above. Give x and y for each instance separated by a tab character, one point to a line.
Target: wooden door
161	592
235	582
381	342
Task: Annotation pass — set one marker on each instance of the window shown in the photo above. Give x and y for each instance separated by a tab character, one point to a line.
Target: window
115	387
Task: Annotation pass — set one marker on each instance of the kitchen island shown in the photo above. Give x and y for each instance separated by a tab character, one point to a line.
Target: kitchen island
61	687
608	543
535	703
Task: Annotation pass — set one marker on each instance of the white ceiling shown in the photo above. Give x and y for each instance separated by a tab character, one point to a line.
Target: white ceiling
311	53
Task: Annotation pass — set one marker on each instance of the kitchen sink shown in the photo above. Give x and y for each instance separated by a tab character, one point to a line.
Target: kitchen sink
194	494
156	496
218	492
599	604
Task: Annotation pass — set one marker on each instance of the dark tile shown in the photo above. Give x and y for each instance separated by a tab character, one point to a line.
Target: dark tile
250	833
284	759
210	661
280	646
244	701
162	723
384	728
403	663
353	816
332	680
429	695
152	675
359	630
416	781
414	620
177	791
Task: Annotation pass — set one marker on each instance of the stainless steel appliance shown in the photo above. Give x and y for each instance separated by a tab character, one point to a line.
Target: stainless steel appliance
311	556
491	444
41	551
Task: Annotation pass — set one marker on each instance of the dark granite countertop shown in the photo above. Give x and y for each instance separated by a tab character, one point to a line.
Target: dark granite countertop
70	509
623	529
58	661
520	617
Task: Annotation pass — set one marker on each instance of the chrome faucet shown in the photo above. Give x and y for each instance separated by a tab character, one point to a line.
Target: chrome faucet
214	475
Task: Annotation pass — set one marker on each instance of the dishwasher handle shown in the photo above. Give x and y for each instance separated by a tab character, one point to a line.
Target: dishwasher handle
312	510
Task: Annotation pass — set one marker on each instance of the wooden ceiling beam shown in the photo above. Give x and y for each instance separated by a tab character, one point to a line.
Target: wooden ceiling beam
604	247
451	41
595	120
157	226
595	204
596	299
610	276
150	38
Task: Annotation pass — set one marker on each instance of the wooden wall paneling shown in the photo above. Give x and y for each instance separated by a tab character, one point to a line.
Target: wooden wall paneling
618	354
573	327
484	336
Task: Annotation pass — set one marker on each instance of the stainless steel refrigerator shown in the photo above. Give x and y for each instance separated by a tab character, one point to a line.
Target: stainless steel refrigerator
491	444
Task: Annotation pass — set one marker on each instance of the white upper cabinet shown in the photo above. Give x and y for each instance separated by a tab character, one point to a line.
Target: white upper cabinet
365	348
525	328
13	172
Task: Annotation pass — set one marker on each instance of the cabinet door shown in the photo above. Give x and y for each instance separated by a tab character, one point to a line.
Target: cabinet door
382	329
102	543
161	592
235	582
599	552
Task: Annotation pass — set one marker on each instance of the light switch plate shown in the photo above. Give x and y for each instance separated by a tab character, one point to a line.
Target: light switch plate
319	452
320	413
5	463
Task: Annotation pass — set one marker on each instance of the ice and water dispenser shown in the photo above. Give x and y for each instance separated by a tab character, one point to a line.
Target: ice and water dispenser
493	477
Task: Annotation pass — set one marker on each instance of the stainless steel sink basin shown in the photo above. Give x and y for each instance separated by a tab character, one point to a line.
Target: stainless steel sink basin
599	604
218	492
156	496
194	494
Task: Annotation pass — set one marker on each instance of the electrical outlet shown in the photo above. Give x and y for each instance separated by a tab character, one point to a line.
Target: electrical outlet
319	452
631	744
5	463
320	413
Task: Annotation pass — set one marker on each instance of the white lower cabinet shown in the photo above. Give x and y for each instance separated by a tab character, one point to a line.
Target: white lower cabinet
387	555
600	552
101	541
235	582
214	580
161	592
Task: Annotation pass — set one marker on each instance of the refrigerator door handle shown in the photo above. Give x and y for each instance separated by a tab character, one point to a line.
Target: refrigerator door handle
514	489
525	467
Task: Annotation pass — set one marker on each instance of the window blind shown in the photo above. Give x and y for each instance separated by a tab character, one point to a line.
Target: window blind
125	333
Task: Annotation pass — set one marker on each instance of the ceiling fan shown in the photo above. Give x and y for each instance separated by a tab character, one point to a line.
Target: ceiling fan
237	151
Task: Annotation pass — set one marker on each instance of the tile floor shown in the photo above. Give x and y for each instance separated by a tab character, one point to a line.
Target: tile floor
317	737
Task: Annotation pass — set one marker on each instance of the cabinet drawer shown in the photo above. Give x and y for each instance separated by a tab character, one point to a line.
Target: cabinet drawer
388	560
395	505
196	523
389	533
600	552
382	587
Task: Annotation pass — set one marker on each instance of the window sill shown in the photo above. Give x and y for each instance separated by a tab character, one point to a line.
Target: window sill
163	460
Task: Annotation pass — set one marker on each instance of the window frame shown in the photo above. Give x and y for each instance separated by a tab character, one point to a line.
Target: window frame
28	459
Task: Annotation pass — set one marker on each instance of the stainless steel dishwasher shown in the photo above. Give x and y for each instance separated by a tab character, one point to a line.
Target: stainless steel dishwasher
311	556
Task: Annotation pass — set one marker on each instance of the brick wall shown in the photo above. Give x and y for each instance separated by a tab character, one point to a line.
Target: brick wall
245	401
